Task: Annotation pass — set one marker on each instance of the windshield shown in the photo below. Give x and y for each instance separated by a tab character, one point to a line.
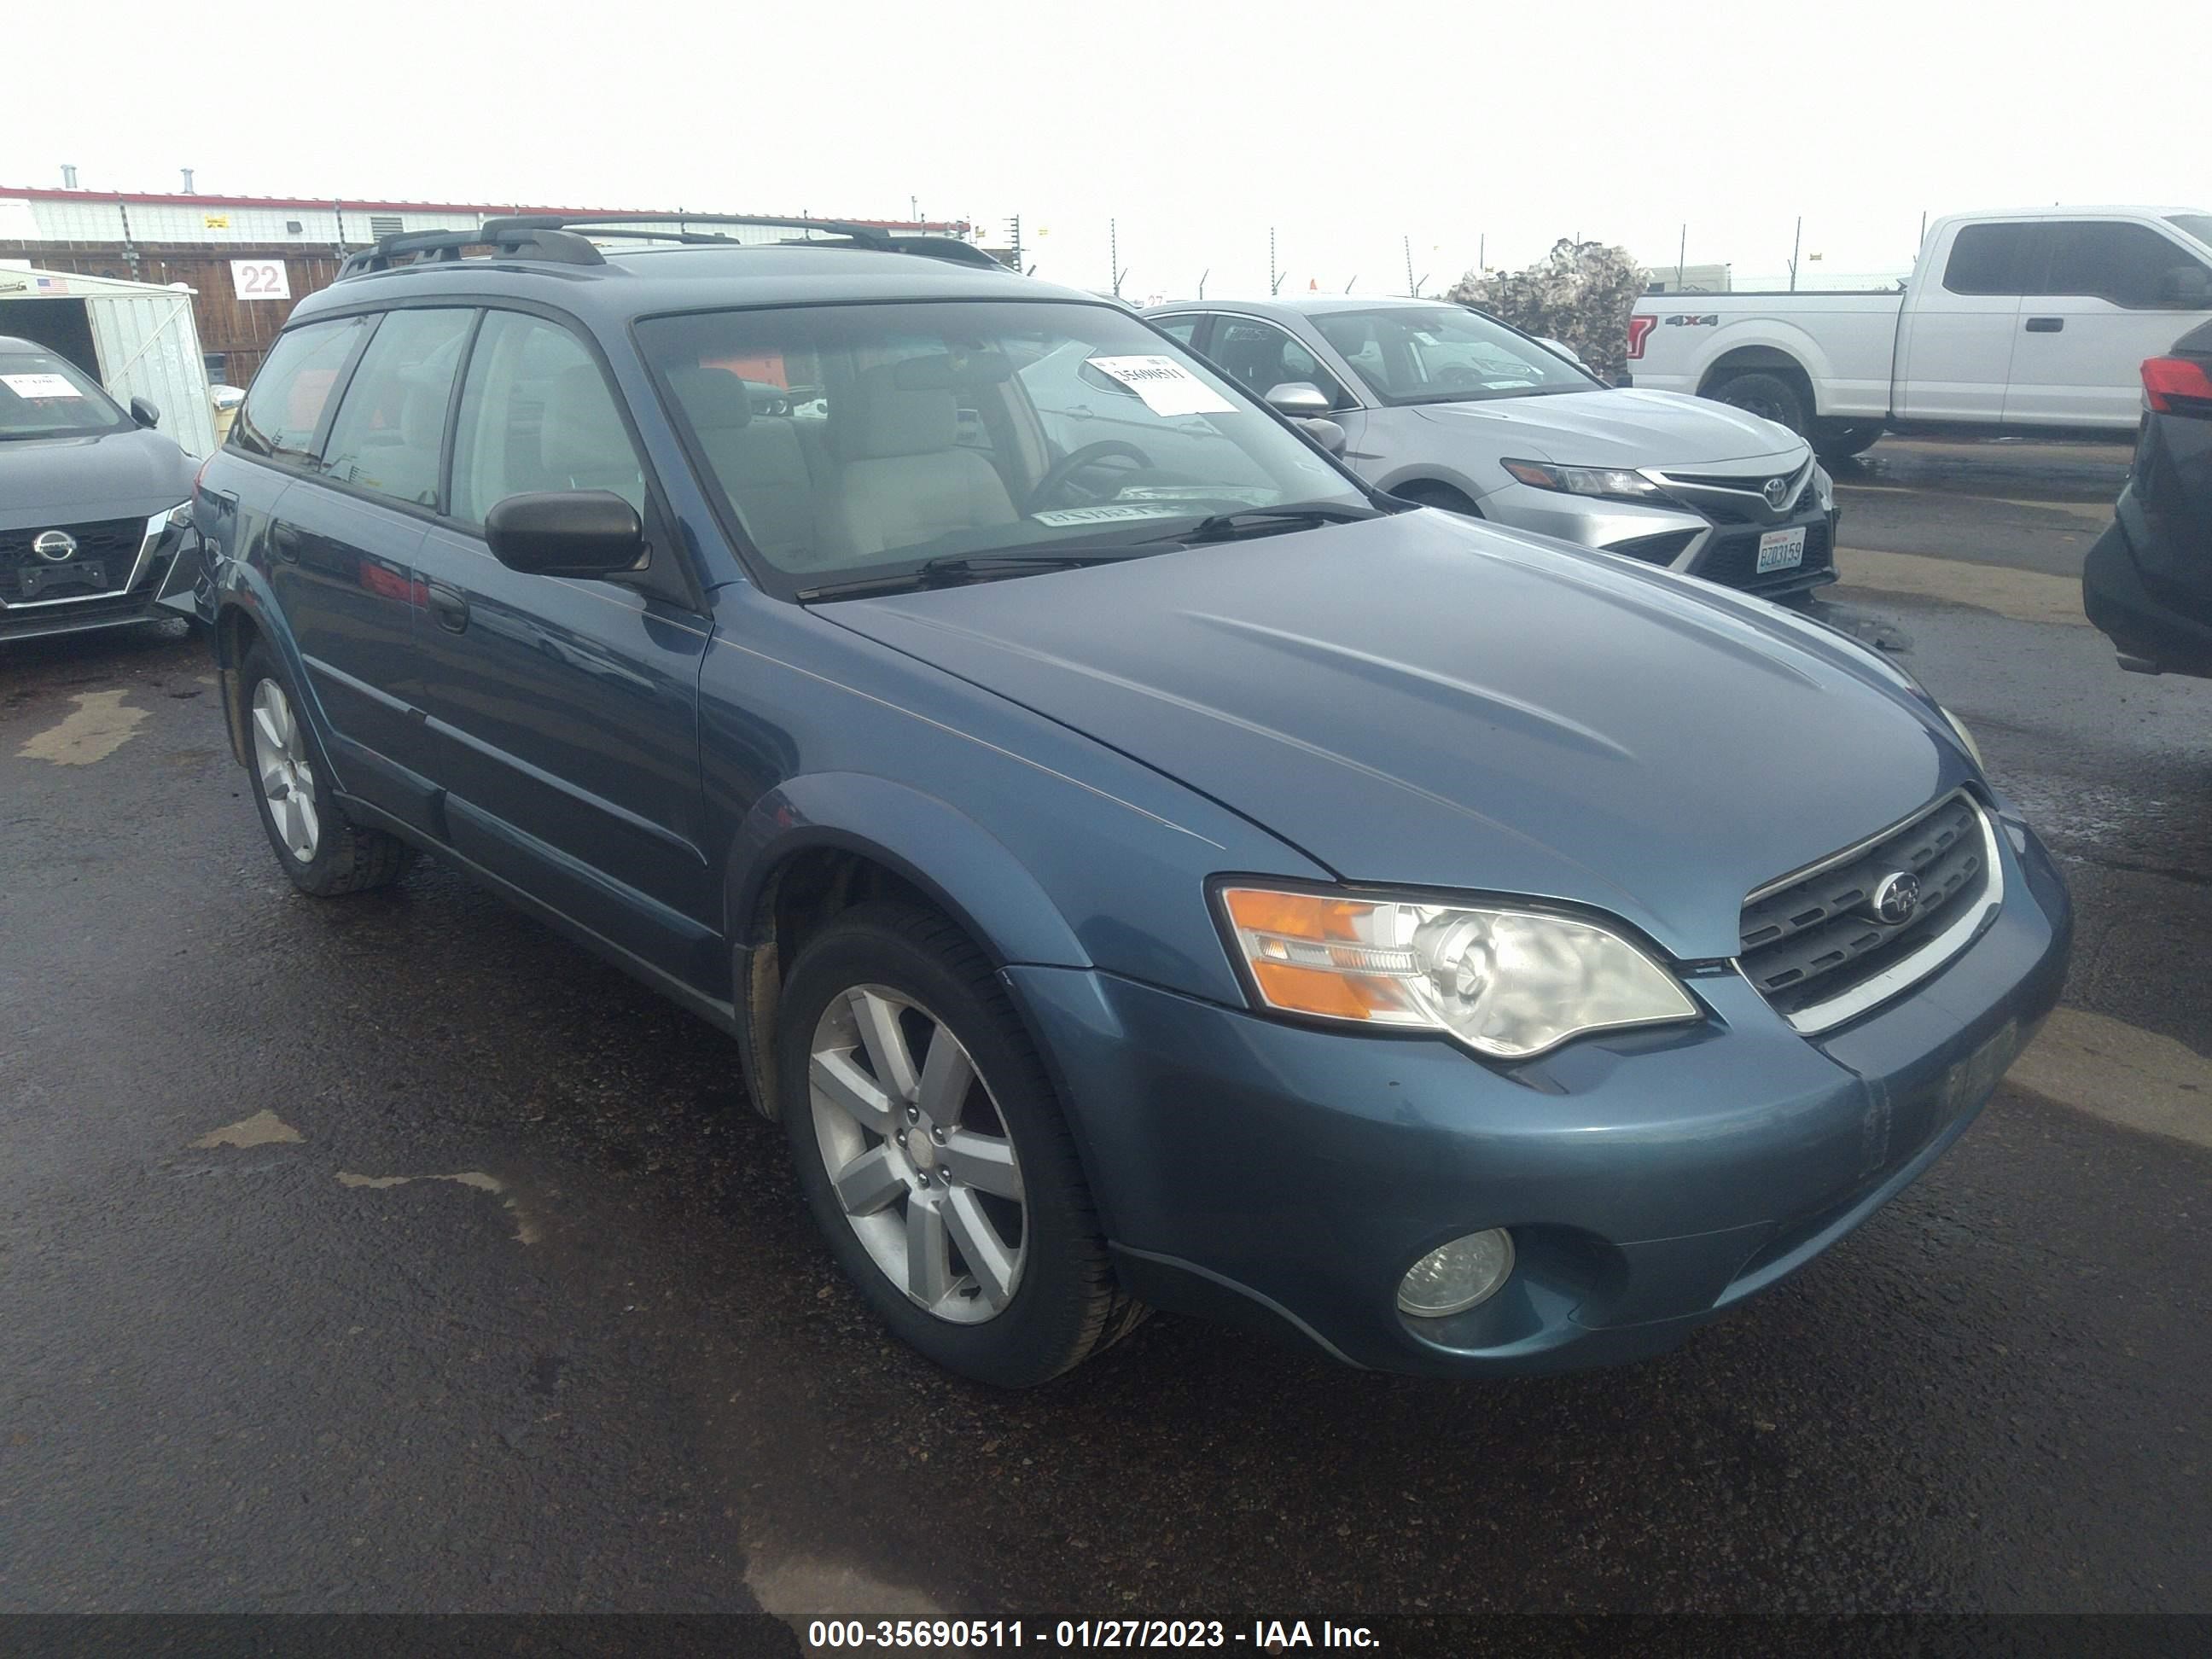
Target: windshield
895	435
2198	225
1445	354
43	396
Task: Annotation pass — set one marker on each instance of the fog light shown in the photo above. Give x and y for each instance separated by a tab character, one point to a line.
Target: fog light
1455	1277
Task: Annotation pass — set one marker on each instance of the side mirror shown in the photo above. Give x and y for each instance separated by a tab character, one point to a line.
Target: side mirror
566	532
1563	348
1299	400
1328	434
144	413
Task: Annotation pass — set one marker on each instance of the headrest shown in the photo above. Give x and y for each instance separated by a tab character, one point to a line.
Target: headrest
582	430
884	416
715	398
940	372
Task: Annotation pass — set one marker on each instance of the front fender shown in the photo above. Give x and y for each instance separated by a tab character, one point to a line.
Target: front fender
947	855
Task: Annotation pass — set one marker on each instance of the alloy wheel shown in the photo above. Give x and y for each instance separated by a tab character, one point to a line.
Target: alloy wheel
288	782
917	1154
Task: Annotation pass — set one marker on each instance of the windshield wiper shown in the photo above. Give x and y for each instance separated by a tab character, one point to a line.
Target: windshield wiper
1265	520
952	568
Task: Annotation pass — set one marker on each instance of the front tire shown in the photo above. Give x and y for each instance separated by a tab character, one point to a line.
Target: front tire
931	1150
322	851
1769	396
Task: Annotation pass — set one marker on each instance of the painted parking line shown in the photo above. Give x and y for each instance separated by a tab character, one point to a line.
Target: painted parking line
2032	596
2121	1073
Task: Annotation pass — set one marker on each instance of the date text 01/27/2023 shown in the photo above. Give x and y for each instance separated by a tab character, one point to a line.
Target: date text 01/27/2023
1260	1636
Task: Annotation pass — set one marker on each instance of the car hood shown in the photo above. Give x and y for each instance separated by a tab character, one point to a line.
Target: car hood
1617	427
115	474
1425	700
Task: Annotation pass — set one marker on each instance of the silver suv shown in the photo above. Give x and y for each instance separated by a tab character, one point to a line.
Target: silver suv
1456	409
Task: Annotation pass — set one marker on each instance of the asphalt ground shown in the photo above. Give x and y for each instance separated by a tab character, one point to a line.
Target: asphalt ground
394	1254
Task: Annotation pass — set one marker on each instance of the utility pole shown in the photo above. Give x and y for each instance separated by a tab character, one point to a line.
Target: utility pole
1114	254
1014	236
1355	277
1681	258
1275	277
1411	291
1796	242
1481	253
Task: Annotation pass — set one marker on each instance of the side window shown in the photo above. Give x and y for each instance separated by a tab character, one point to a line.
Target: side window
280	413
1259	356
2130	265
1183	327
1992	258
537	414
391	424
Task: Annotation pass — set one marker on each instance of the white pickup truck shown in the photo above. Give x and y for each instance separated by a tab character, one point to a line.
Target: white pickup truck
2029	320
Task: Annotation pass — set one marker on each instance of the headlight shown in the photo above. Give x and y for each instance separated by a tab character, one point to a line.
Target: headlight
1824	488
1613	482
1965	737
1507	983
173	518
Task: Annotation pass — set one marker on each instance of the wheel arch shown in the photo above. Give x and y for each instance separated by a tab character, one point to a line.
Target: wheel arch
1796	357
817	845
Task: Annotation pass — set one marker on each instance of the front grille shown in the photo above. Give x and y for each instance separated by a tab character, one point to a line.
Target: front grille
1735	498
1732	557
111	543
1814	940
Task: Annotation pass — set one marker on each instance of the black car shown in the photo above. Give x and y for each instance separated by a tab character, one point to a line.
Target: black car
2147	581
92	502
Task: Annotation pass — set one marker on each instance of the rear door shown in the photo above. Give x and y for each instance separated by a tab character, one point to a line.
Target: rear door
2104	294
562	714
1956	332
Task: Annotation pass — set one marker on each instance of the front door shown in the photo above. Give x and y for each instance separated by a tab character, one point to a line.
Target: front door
563	713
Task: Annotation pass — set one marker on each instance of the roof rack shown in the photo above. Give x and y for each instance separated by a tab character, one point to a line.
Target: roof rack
565	239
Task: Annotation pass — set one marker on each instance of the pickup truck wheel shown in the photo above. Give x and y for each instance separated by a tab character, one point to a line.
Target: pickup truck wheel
931	1150
1840	443
1768	395
321	850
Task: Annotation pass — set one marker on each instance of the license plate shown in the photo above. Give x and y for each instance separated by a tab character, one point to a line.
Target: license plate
1781	550
30	578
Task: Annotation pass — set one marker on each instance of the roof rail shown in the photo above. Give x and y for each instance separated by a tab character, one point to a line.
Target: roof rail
565	239
869	237
517	238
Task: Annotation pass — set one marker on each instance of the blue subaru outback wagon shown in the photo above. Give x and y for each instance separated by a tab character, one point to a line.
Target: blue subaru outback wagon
1139	864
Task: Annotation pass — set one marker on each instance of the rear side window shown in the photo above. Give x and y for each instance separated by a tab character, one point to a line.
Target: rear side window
537	414
282	411
1184	328
2130	265
1991	258
392	425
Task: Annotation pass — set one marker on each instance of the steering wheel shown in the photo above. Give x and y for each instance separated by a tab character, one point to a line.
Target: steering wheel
1057	475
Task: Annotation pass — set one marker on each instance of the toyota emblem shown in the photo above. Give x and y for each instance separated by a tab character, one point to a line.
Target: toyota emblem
1777	491
53	545
1896	897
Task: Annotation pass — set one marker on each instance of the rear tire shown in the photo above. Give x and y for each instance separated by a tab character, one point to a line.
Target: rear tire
1769	396
321	850
947	1189
1840	442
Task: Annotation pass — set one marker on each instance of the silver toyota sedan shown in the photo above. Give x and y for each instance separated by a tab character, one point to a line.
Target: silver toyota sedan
1453	409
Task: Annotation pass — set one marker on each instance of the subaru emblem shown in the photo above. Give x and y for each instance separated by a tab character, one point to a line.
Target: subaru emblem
53	545
1896	897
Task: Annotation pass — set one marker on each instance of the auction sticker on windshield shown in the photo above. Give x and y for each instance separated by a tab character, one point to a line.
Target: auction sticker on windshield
1107	515
1166	386
47	386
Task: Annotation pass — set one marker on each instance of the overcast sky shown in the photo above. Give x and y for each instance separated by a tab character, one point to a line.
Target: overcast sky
1348	127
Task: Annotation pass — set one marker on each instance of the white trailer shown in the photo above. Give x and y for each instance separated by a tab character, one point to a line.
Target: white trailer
139	340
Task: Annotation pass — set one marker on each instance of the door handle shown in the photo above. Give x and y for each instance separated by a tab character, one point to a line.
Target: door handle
2045	325
448	606
286	541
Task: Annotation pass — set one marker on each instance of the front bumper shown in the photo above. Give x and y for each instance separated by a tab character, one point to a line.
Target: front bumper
1674	537
1287	1177
162	581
